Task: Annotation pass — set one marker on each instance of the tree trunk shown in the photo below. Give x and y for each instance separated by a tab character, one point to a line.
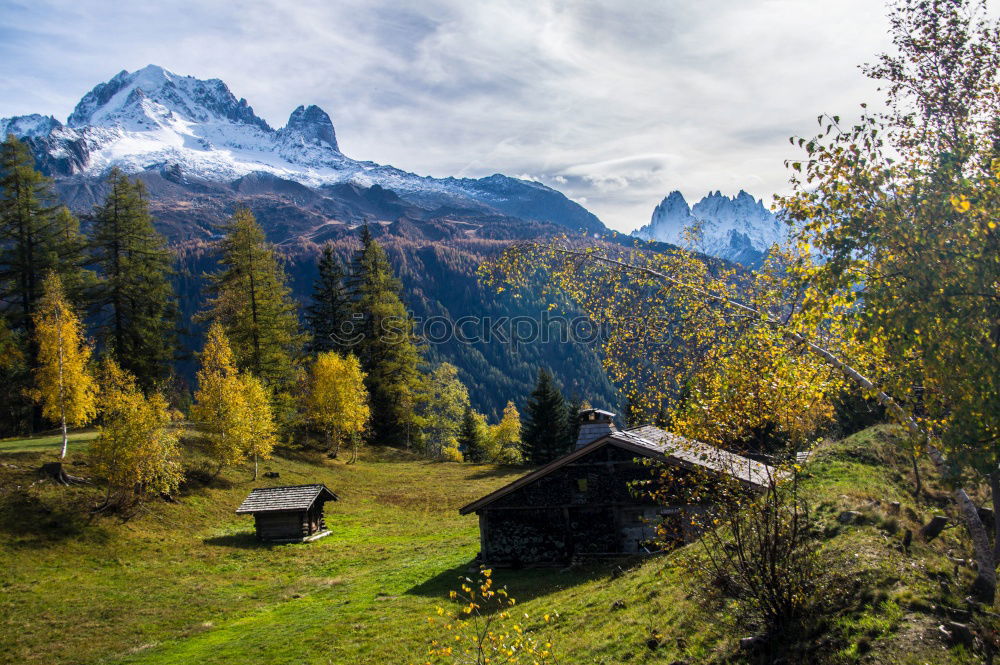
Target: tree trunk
56	472
65	438
985	586
918	489
255	466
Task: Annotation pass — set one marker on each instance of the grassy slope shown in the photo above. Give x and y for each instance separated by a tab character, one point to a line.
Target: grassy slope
43	444
185	583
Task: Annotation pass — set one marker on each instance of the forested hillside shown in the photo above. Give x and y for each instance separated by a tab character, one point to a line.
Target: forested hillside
495	361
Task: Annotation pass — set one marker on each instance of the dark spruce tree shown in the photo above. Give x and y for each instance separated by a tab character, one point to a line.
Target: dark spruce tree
544	429
135	299
387	349
328	317
630	416
16	405
471	437
36	236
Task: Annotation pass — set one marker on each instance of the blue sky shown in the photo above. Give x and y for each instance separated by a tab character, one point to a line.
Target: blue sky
613	103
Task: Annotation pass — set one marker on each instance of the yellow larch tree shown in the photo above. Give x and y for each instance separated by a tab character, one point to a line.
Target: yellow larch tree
505	438
64	385
337	402
260	427
220	409
135	451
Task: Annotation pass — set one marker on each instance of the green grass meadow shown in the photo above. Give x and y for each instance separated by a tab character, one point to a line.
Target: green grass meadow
187	582
44	444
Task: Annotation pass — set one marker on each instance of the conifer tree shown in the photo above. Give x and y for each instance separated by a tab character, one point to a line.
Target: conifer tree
65	387
631	415
662	419
15	375
135	296
388	352
329	315
473	436
253	305
36	237
573	409
544	429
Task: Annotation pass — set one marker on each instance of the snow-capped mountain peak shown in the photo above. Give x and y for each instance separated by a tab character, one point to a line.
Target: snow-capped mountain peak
152	117
27	126
311	124
154	121
155	93
738	228
673	215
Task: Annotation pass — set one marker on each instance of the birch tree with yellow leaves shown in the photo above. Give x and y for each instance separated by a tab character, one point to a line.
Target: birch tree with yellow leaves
261	430
220	407
232	408
902	207
337	401
135	451
64	385
505	438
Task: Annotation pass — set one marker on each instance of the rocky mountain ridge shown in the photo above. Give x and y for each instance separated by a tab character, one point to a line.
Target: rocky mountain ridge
196	134
201	152
738	228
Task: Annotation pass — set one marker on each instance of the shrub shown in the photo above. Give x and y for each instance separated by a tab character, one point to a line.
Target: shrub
452	454
766	550
485	631
758	547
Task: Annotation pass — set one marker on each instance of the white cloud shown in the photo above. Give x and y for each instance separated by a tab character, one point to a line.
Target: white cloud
614	104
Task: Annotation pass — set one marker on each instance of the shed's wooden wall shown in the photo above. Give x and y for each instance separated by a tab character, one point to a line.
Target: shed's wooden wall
281	526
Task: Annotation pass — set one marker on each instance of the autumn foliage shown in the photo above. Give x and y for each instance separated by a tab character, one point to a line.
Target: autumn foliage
232	408
486	629
135	452
337	402
65	387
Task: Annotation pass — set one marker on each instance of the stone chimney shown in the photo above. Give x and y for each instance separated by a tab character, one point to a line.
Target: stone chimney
594	424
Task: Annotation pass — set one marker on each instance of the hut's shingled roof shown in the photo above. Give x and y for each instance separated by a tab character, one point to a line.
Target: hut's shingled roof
652	442
700	454
275	499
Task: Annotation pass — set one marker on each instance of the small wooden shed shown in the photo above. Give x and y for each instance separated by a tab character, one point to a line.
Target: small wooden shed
288	514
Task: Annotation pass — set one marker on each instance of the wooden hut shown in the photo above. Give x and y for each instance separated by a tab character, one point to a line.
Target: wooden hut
584	504
288	514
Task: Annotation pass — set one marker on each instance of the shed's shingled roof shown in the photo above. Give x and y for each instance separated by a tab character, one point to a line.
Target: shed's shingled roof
274	499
